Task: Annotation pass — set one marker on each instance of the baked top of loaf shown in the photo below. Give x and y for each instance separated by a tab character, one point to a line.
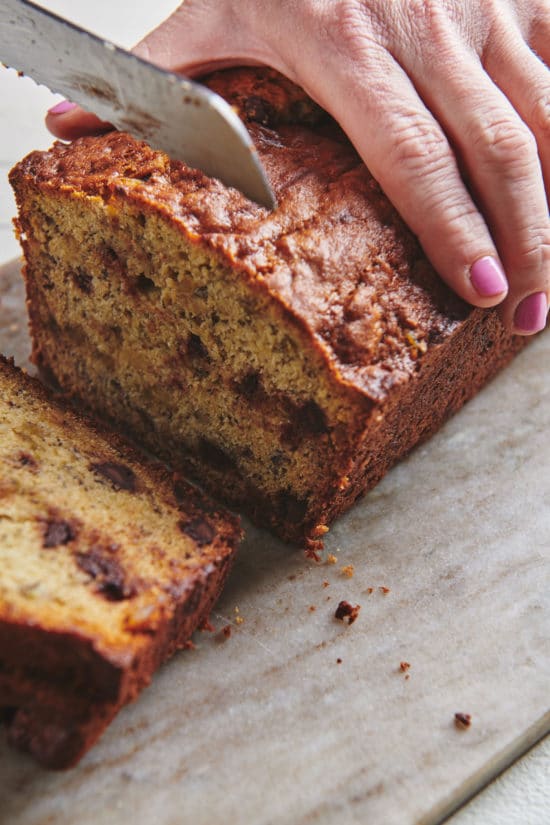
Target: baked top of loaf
107	564
334	253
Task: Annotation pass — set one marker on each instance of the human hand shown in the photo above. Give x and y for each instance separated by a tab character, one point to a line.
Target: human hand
447	102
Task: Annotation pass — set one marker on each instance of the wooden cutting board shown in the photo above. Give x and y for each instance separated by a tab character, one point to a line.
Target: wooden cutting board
296	718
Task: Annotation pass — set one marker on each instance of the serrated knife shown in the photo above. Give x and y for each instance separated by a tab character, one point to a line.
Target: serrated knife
183	118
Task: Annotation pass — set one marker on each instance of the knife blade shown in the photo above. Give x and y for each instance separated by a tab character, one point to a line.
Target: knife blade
170	112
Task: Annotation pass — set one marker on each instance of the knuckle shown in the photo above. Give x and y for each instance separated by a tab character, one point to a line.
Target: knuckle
342	20
534	255
420	147
432	16
431	25
506	144
540	116
350	27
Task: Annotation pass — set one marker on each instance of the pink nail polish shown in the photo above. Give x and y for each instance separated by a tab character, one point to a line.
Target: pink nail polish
488	278
62	107
530	315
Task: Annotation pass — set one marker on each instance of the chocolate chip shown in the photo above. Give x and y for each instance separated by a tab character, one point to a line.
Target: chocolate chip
27	460
196	348
314	417
144	284
200	530
107	572
260	110
58	533
306	420
249	385
121	476
114	591
83	281
201	292
109	256
92	564
215	456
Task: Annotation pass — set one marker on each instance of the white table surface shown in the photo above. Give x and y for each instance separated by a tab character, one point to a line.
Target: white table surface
521	796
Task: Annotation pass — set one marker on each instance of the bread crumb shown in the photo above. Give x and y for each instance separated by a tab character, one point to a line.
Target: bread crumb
347	612
238	618
404	666
416	345
326	584
463	720
319	530
312	608
207	625
370	590
188	645
384	590
348	570
331	558
311	551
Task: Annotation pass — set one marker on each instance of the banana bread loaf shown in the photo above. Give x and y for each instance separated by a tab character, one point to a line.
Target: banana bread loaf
107	565
285	359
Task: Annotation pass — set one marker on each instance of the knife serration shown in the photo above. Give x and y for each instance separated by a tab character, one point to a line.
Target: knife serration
183	118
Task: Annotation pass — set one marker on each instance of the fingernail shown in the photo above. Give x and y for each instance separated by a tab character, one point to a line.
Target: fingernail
530	315
62	107
487	277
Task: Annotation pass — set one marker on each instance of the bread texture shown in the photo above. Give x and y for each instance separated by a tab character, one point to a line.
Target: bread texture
285	359
107	566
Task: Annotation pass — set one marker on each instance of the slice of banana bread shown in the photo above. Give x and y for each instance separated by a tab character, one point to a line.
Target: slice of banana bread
285	359
107	565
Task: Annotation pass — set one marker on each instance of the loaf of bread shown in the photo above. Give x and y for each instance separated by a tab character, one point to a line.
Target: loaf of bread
107	565
285	359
